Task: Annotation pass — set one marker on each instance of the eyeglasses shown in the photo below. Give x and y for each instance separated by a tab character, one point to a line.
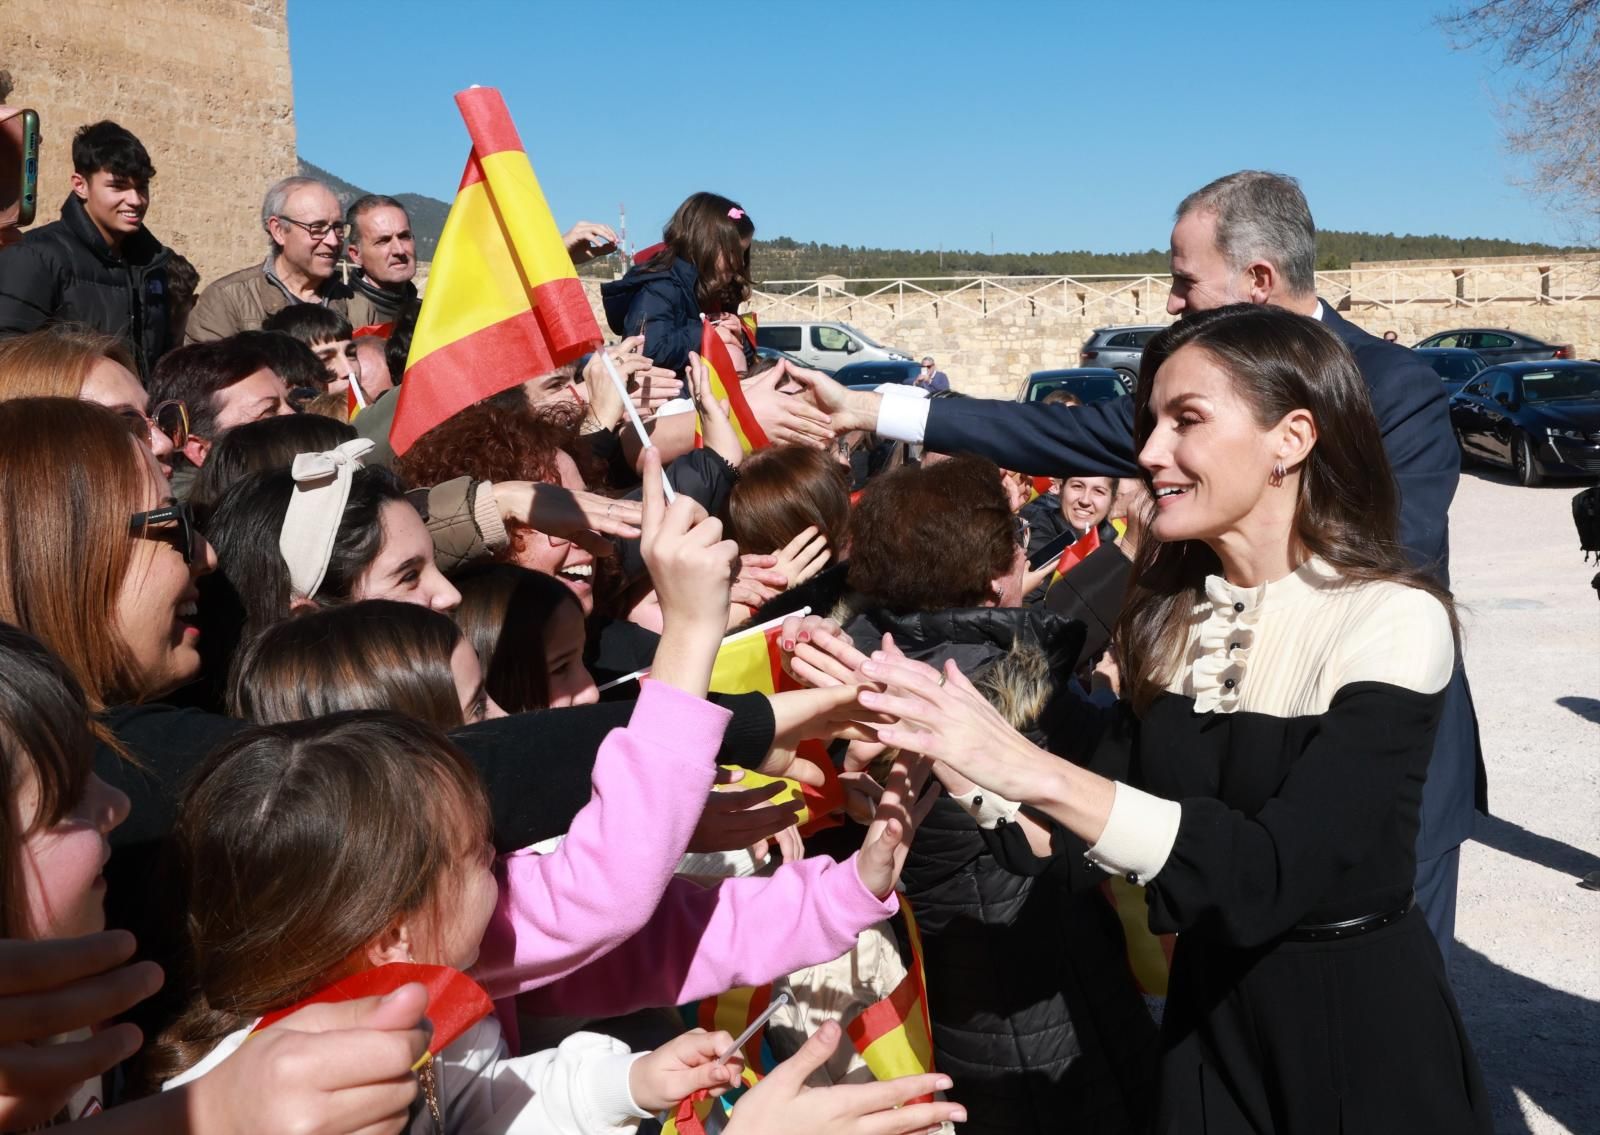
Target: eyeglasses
319	230
171	418
180	535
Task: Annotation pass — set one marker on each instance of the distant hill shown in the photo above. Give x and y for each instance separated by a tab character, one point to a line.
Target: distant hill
787	259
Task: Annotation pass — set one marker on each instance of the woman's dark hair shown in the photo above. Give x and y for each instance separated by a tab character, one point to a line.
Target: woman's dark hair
505	613
934	537
709	231
1347	511
783	490
271	443
45	738
250	590
376	654
300	844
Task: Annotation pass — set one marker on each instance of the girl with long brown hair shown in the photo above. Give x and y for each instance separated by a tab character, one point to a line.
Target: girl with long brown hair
1285	671
701	266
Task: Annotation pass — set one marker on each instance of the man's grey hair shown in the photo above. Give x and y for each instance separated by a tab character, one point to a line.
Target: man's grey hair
1261	216
361	206
277	199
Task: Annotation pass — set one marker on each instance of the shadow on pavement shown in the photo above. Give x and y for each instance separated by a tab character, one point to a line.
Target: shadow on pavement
1562	858
1586	708
1529	1038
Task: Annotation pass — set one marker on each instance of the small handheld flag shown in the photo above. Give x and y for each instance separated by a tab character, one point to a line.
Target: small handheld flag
725	387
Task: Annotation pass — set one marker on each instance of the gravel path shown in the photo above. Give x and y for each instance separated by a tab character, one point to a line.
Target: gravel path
1526	968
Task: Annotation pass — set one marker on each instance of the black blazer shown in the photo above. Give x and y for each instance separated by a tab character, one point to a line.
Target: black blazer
1097	440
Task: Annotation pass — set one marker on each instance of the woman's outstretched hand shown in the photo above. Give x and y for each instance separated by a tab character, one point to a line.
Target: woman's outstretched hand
950	721
781	1104
904	802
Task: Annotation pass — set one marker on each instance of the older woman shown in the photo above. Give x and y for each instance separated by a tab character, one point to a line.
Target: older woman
1285	670
1036	1036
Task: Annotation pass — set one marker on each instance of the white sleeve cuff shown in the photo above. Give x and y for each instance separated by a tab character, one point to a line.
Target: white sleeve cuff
987	808
1138	835
902	419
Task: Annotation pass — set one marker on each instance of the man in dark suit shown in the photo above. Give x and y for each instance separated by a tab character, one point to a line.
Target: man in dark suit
1249	238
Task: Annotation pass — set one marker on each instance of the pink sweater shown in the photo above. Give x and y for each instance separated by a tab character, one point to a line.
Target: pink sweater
612	878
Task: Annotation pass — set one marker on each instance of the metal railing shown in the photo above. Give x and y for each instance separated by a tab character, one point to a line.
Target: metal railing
1144	297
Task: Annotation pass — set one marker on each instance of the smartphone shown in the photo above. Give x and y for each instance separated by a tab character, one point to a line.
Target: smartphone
19	165
1051	551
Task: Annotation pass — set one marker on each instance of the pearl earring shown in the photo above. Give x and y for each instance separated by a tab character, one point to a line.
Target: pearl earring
1278	474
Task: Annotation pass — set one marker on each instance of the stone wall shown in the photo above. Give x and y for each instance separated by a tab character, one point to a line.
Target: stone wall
205	84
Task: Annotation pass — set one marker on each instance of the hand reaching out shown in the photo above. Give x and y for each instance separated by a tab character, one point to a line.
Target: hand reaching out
715	427
741	818
788	418
781	1104
588	239
803	557
901	807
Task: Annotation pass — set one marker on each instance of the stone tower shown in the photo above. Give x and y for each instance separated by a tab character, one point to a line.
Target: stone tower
205	84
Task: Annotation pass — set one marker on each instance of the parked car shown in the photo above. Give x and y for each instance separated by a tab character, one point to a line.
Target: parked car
1090	384
1539	419
1499	346
1454	365
827	346
774	353
1119	348
877	372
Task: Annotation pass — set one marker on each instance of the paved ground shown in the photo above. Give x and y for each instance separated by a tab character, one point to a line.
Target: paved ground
1527	961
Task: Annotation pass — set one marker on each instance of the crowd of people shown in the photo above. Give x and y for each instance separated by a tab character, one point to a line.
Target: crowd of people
1056	689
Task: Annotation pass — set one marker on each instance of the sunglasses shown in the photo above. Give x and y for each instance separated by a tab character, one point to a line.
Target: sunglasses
176	526
171	418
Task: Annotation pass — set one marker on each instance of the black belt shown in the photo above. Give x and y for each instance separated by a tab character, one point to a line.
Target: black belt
1350	927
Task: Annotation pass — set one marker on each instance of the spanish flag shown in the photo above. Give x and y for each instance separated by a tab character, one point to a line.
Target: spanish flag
725	388
503	303
751	324
894	1036
1074	554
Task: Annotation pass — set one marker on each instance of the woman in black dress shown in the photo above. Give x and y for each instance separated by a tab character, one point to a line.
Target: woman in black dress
1284	670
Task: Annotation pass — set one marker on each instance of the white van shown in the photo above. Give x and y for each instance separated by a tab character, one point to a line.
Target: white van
825	345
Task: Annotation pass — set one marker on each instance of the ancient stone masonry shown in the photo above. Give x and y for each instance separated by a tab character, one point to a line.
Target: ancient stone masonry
205	84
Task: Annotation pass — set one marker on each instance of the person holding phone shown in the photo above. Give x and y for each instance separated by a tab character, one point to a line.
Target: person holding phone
98	265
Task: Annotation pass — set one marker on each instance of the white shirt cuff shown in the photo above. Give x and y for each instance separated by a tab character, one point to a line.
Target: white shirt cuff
1138	836
987	808
902	419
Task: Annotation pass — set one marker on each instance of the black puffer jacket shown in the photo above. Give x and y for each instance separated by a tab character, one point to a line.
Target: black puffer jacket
64	272
1034	1015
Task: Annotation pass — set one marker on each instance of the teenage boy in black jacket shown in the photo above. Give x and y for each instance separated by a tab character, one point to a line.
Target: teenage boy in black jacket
98	265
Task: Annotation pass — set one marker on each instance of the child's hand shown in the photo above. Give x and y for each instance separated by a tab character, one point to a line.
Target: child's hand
692	568
683	1066
902	805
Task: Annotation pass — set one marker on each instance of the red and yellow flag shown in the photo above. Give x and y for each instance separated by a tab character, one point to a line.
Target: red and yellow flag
751	323
503	303
725	388
1074	554
894	1036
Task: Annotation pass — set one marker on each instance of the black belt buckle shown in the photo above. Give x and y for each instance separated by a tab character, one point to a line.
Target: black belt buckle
1350	927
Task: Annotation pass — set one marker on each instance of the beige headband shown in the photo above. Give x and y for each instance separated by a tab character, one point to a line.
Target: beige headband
321	490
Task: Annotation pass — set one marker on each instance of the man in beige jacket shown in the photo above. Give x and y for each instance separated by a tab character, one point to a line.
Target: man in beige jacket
306	230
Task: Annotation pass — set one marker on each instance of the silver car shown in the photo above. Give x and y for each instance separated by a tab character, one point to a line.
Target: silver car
1119	348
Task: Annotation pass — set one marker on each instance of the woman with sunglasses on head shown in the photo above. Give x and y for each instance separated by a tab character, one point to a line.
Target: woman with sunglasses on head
1285	670
97	562
68	361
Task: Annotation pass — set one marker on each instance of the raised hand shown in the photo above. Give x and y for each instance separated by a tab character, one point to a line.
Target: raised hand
787	418
692	568
586	518
734	820
804	556
781	1104
901	807
816	652
59	986
683	1066
649	386
715	427
588	239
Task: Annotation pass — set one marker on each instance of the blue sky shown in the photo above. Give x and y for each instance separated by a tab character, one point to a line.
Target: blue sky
1050	125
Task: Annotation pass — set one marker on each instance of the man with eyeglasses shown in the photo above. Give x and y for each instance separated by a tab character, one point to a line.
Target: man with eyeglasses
305	230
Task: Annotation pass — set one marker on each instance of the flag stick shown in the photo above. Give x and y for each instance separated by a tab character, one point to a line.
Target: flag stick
633	416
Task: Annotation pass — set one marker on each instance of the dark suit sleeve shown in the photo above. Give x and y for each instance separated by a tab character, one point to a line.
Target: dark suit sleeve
29	291
1412	412
1041	440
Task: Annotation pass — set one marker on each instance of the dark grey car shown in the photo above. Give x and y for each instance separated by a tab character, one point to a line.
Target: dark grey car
1496	345
1119	348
